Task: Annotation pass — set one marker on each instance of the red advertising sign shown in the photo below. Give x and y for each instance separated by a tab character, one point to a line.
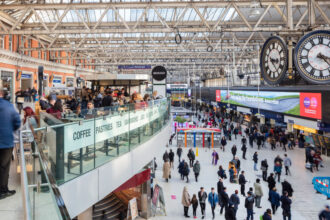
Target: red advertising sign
311	105
217	95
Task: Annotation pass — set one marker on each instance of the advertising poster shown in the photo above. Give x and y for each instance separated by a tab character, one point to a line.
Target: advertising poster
218	95
284	102
310	105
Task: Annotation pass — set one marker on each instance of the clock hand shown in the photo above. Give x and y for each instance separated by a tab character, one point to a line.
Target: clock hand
274	60
323	57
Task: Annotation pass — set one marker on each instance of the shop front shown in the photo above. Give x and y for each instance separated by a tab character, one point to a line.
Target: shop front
7	79
26	81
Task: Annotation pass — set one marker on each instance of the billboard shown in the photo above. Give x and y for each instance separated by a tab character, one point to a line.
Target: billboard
311	105
218	96
294	103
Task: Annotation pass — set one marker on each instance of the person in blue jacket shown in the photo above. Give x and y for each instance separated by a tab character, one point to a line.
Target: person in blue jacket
213	200
274	199
10	122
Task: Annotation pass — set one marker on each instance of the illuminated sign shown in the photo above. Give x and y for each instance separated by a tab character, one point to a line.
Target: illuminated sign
307	129
311	105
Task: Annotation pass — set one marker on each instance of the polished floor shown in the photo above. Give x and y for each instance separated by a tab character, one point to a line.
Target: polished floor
306	203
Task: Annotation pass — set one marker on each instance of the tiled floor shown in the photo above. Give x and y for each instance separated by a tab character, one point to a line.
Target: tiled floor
306	203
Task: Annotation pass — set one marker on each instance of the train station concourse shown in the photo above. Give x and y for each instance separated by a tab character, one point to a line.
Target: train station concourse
165	109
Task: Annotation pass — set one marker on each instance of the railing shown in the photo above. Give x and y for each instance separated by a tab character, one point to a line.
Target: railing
68	150
41	198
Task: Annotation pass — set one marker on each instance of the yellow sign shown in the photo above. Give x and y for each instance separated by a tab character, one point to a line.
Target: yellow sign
307	129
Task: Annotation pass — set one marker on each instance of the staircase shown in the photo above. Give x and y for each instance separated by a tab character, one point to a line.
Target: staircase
109	208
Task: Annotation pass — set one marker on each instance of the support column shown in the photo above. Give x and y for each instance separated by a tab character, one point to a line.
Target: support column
311	13
289	14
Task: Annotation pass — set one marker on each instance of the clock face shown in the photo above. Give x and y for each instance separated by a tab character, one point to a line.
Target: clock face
273	60
312	57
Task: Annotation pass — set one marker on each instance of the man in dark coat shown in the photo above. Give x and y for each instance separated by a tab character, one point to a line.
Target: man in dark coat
286	206
107	100
224	200
220	188
271	181
242	181
179	152
286	186
171	157
10	122
234	150
244	148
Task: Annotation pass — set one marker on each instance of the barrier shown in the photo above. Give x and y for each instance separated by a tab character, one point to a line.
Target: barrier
321	185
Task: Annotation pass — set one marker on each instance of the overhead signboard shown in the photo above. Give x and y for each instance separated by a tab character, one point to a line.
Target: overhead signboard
159	73
134	67
294	103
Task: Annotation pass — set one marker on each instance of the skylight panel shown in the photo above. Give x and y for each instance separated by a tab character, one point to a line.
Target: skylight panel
229	14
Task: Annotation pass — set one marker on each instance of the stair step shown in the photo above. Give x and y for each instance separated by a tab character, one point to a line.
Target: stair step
106	206
113	212
105	201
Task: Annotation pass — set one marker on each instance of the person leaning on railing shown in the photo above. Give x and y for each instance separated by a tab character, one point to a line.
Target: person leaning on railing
10	122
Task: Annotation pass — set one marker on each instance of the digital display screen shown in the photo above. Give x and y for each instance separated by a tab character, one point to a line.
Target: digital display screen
294	103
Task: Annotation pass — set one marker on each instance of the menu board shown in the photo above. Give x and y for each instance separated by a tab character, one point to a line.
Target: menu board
316	140
321	140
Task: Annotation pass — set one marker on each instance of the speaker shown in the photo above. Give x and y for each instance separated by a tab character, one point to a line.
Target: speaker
40	72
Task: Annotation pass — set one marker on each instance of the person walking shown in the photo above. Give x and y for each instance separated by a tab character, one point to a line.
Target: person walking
274	199
179	152
230	212
10	122
202	196
234	199
191	157
185	201
259	140
258	193
186	171
222	173
267	215
166	157
287	164
234	150
166	171
286	186
224	200
171	157
231	174
213	200
244	148
278	171
264	169
220	188
194	203
215	158
271	181
249	201
286	206
251	140
223	143
196	169
255	160
180	168
325	214
243	140
242	181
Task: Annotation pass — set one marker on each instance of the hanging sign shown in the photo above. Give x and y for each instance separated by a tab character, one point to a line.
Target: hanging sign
159	73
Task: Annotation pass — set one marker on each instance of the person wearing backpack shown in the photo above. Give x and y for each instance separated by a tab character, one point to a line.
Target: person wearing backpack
196	169
249	201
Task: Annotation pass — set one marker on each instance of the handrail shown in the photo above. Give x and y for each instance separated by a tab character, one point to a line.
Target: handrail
24	181
50	178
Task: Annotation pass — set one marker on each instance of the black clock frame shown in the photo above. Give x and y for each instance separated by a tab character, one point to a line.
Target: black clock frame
281	76
298	47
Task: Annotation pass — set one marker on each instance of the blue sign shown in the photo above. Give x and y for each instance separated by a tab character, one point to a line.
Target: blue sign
134	67
26	76
57	80
321	184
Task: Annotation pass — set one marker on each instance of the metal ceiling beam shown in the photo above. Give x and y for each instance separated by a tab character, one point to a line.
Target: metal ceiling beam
152	30
161	4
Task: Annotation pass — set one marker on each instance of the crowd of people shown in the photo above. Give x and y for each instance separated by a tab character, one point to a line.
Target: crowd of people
219	195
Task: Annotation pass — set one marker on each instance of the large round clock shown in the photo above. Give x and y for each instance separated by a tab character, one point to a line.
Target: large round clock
274	60
312	57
